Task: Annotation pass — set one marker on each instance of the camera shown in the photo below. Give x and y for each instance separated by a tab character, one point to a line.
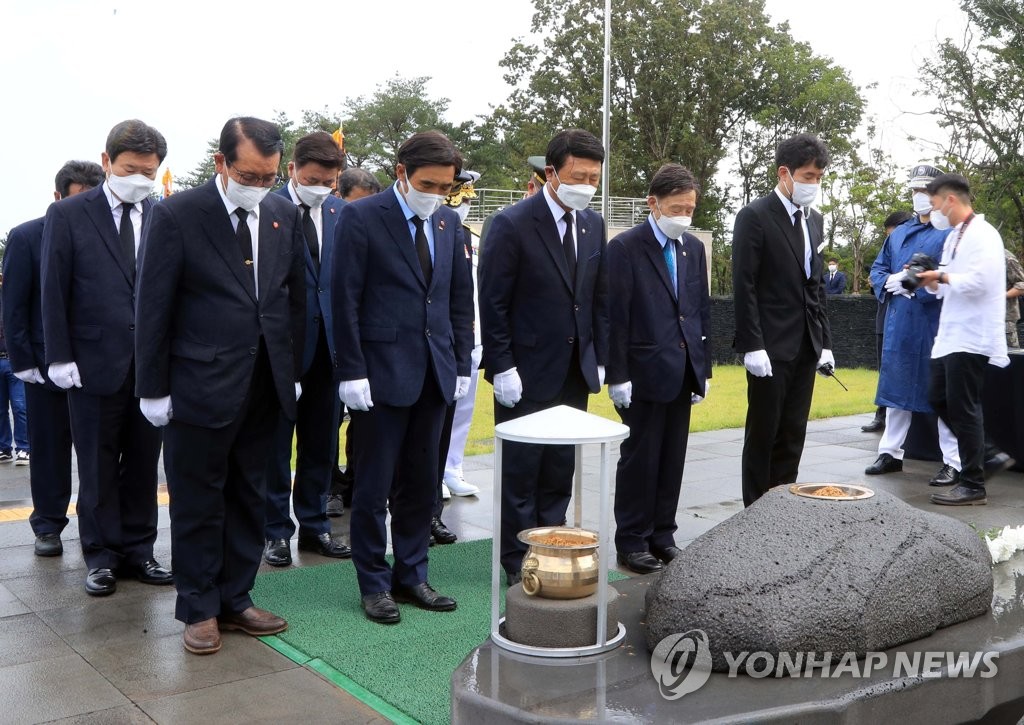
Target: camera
920	262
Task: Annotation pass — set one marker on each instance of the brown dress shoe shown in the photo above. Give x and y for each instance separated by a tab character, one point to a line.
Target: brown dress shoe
255	621
202	638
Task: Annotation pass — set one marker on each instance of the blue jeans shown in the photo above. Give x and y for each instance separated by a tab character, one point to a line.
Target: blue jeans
12	392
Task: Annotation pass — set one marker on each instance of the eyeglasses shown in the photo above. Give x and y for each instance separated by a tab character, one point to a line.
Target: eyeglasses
254	180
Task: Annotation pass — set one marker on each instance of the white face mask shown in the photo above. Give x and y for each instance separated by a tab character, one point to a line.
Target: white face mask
939	220
672	226
463	212
575	196
247	197
803	194
922	203
832	267
132	188
311	195
421	203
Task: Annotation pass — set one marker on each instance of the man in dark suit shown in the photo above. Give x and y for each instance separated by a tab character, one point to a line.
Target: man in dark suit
659	363
88	274
312	171
403	321
49	425
221	310
544	321
835	281
782	328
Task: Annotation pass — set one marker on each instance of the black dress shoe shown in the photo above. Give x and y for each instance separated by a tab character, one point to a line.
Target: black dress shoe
100	582
874	426
424	597
996	464
277	552
324	545
335	506
884	464
667	553
441	533
947	476
640	562
49	545
961	496
380	607
150	572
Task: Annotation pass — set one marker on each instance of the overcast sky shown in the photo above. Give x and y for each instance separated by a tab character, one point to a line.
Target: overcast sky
74	68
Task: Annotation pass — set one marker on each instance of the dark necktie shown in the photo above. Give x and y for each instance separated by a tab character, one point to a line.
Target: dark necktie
309	231
798	216
244	237
127	234
569	248
423	250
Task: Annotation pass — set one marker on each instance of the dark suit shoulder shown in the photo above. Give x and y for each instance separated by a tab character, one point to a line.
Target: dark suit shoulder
333	202
633	235
76	204
27	230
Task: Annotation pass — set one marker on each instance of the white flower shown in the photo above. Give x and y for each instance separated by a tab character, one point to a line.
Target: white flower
1003	546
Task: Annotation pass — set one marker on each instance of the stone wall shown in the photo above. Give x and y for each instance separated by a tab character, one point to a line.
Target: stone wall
852	318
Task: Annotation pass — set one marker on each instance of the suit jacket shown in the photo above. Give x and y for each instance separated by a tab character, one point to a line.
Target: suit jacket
531	317
389	326
835	285
318	283
88	292
200	321
22	297
649	325
776	305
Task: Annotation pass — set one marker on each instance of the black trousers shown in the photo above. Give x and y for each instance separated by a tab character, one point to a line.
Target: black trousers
777	410
442	450
536	480
957	381
217	483
650	471
118	452
49	430
316	454
395	457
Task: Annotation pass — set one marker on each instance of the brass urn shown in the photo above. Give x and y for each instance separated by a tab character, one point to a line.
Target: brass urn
561	562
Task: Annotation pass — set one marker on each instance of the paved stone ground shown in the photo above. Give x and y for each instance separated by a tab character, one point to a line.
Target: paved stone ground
68	657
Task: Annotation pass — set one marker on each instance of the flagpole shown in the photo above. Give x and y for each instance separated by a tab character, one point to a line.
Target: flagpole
606	122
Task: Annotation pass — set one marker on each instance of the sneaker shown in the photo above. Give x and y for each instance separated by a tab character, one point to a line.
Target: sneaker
6	457
458	486
21	458
445	493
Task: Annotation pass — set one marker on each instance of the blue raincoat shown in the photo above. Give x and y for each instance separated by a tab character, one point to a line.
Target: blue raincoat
910	323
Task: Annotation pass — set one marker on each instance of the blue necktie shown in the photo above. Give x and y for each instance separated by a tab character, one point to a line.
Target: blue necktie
670	261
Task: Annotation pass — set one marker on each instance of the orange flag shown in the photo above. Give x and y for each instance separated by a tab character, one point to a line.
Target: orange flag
166	180
339	138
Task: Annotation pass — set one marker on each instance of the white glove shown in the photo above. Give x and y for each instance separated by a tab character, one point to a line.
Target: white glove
65	375
758	364
32	375
461	387
694	399
621	394
157	410
600	376
298	391
894	282
826	359
508	388
355	394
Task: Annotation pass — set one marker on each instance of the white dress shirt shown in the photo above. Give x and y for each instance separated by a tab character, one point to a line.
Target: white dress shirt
115	210
254	229
792	209
559	214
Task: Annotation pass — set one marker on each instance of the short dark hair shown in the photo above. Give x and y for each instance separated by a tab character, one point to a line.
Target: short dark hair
800	150
573	142
86	173
318	147
428	148
356	178
833	259
672	179
135	136
896	218
265	136
950	184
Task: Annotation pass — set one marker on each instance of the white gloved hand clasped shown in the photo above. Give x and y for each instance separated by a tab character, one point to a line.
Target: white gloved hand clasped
32	375
65	375
355	394
461	387
157	410
508	388
621	394
757	363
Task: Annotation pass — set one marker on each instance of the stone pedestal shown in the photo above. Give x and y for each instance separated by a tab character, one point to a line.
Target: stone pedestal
540	622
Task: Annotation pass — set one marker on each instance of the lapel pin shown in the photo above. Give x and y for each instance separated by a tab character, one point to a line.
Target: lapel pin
275	225
583	230
331	210
440	225
248	263
684	252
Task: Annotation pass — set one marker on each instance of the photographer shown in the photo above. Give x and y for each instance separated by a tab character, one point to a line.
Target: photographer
971	282
911	322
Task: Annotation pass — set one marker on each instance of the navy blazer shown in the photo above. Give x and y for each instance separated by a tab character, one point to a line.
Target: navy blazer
22	298
836	285
649	325
388	326
318	283
531	317
200	320
776	304
88	293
